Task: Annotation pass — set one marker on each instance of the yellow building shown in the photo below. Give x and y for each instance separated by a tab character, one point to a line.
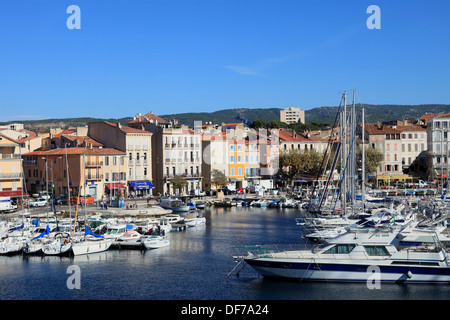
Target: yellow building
10	168
236	161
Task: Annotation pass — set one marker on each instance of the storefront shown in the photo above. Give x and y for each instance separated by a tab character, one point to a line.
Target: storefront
140	188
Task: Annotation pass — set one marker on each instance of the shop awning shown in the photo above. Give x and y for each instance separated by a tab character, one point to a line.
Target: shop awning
15	193
139	185
394	177
114	185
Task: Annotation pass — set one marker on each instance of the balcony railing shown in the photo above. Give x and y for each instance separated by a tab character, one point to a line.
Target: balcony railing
14	175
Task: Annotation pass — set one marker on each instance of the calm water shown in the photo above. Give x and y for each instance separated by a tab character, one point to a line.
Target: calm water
194	267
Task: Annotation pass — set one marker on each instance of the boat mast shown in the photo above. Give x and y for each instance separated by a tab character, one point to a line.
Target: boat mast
68	183
363	163
344	139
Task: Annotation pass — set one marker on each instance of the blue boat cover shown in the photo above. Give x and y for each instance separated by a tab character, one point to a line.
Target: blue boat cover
89	232
47	231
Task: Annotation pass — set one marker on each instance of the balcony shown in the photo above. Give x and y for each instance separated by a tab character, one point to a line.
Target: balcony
9	156
7	176
94	163
94	177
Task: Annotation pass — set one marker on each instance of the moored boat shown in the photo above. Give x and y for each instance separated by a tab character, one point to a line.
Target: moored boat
354	257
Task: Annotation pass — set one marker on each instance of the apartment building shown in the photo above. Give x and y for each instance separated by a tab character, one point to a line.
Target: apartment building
438	129
177	152
11	182
292	115
214	157
67	170
413	149
135	171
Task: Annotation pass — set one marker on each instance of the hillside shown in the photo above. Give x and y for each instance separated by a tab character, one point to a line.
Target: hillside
374	113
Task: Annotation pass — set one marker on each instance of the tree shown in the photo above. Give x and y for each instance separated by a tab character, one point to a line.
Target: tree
178	183
373	158
296	161
218	178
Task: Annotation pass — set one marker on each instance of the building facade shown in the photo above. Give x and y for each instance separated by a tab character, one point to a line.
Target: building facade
136	171
11	182
292	115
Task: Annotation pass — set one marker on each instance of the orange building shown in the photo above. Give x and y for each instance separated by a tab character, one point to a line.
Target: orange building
68	169
236	161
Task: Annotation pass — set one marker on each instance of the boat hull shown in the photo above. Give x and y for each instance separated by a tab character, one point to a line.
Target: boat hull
89	247
156	243
311	270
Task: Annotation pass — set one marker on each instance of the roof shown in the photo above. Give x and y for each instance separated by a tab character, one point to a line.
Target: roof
87	139
447	115
76	151
126	129
428	116
411	128
64	132
377	128
232	124
147	117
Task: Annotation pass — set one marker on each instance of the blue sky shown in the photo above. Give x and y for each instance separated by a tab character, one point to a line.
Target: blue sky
172	56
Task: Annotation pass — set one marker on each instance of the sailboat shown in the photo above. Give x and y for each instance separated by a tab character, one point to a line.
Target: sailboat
34	245
91	242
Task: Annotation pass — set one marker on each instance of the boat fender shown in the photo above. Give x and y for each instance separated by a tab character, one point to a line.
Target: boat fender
409	274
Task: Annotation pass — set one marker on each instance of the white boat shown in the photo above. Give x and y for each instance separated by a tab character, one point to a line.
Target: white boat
130	239
156	242
115	231
175	205
58	245
12	244
192	220
259	203
357	257
163	226
90	243
34	247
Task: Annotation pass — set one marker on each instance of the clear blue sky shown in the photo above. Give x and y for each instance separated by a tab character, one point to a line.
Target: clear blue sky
171	56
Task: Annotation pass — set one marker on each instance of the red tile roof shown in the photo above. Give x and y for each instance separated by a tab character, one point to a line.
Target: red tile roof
76	151
125	128
147	117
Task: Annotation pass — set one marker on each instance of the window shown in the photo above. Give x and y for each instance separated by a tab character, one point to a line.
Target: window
239	171
232	171
376	250
341	248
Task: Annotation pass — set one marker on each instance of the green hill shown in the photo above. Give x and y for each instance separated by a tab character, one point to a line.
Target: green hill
374	113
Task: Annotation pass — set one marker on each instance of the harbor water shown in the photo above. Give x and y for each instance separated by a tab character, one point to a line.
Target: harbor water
196	266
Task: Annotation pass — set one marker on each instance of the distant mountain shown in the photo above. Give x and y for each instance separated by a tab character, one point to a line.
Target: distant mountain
373	113
244	115
376	113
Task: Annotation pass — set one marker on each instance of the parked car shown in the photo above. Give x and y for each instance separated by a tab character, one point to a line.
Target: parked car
39	202
61	199
225	191
422	184
399	184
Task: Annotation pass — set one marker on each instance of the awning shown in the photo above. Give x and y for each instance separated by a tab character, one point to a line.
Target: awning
139	185
394	177
16	193
114	185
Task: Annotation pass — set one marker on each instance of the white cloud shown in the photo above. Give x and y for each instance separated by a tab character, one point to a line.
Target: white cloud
244	70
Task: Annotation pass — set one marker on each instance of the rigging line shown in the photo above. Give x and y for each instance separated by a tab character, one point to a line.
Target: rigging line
345	168
326	150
